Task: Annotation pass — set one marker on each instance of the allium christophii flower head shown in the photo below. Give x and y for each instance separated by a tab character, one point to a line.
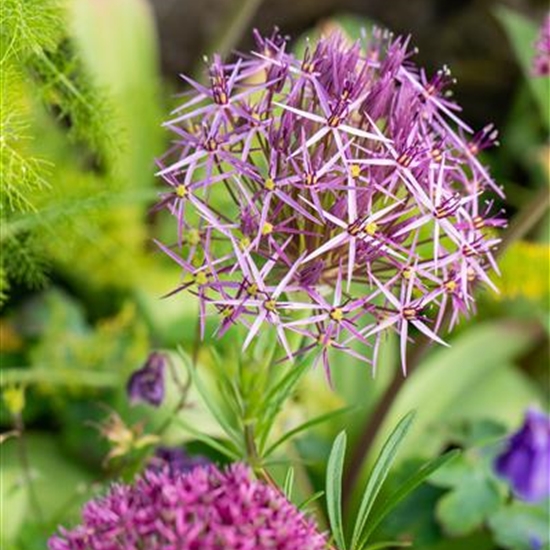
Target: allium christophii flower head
147	384
205	509
525	462
541	62
336	195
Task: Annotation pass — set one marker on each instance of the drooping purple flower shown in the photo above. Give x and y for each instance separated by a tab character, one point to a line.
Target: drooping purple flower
541	61
147	384
525	462
176	459
336	196
205	509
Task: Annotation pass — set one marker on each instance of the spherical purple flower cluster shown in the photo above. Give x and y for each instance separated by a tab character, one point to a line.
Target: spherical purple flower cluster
205	509
336	195
541	62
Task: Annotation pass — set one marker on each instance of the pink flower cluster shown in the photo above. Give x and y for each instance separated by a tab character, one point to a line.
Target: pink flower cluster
205	509
336	195
541	61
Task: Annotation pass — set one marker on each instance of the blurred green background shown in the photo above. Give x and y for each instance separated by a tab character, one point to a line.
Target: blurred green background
85	86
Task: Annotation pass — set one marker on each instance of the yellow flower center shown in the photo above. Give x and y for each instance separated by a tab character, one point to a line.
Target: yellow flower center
252	289
355	170
201	278
336	314
267	229
450	286
371	228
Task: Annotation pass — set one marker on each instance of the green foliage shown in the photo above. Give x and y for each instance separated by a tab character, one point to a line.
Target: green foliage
474	497
372	509
72	187
518	525
525	272
522	34
335	469
405	489
31	27
59	484
27	264
471	379
377	477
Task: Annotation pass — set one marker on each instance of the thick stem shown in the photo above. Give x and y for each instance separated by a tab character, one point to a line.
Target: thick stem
522	224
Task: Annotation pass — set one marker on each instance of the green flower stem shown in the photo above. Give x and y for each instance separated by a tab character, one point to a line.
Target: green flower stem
527	218
237	22
183	389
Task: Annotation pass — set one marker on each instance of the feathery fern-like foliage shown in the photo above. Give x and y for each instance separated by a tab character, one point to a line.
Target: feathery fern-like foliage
63	154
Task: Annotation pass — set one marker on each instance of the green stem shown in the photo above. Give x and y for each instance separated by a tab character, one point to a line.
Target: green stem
233	29
183	390
527	218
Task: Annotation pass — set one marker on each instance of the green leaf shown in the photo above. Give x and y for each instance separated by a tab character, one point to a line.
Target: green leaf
309	500
14	498
466	508
388	544
522	34
404	490
276	397
218	446
310	423
288	483
210	401
447	386
516	526
378	475
111	38
61	377
60	485
335	468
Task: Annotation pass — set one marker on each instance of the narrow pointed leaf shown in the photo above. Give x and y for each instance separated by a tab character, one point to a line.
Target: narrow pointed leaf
288	483
335	468
378	475
404	490
312	498
306	425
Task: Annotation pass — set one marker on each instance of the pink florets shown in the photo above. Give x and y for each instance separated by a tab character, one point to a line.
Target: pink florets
541	62
206	509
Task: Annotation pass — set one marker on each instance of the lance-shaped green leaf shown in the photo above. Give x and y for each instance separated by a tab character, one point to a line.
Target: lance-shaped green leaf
378	475
403	491
289	483
306	425
335	468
